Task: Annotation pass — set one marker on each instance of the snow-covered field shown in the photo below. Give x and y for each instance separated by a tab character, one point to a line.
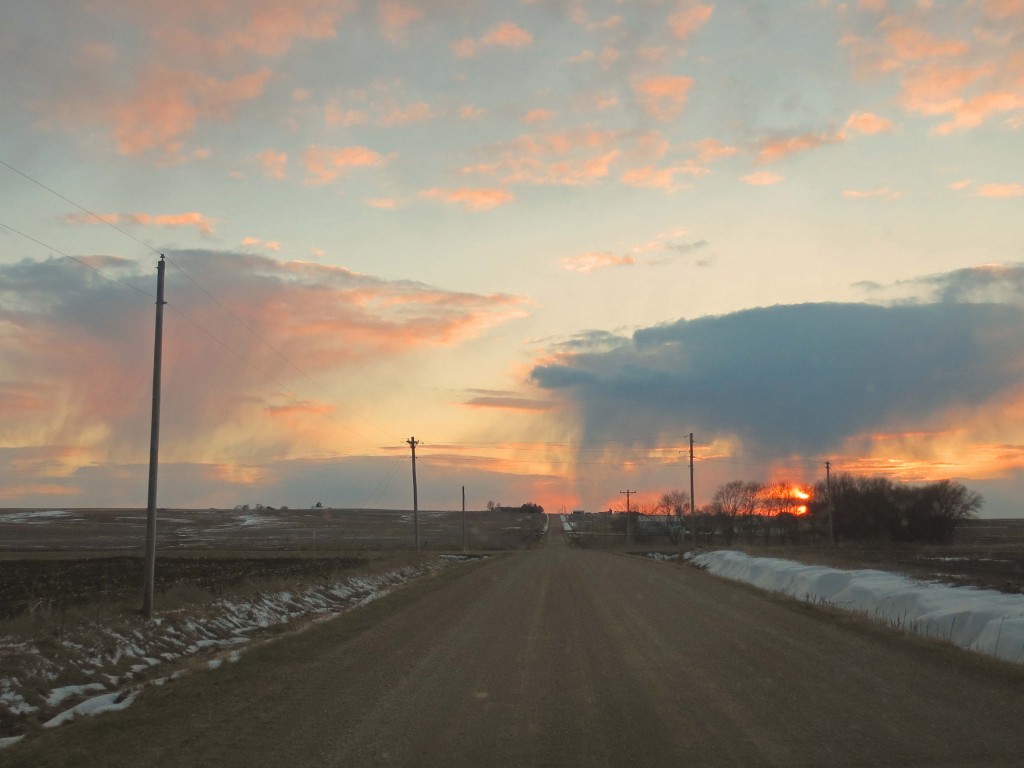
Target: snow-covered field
980	620
101	666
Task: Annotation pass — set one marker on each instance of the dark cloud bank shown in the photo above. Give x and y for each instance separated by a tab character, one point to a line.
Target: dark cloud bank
793	379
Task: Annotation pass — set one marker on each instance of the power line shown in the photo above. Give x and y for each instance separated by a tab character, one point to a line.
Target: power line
98	218
77	260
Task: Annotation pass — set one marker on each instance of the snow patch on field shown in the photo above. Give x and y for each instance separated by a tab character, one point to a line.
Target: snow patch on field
116	661
980	620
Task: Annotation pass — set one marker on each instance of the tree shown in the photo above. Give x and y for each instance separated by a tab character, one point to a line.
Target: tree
732	500
674	503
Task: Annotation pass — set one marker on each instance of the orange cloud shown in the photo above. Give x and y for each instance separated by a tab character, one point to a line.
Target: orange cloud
762	178
1000	190
775	149
661	178
913	44
505	35
571	158
663	98
689	20
325	164
227	377
275	164
384	203
709	150
538	116
590	262
204	224
395	19
167	105
883	193
867	123
471	199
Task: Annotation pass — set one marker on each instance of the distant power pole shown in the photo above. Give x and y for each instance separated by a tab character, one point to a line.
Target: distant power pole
629	518
413	442
463	518
831	508
693	499
149	569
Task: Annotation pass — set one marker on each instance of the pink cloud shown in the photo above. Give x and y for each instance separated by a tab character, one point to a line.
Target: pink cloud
689	20
709	150
589	262
202	223
325	164
775	149
327	321
662	178
762	178
395	19
470	112
883	193
1004	9
867	123
537	116
975	111
663	97
275	164
571	158
958	185
1000	190
505	35
472	199
167	105
384	203
913	44
335	114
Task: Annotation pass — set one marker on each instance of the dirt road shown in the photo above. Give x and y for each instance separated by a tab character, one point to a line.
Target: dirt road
559	657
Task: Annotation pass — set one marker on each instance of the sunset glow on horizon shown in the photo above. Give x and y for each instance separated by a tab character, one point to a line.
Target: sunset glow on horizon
549	238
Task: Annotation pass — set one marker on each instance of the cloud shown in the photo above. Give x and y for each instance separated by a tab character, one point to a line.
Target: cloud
883	193
662	178
325	164
777	148
472	199
908	43
688	20
867	123
538	116
78	350
395	19
570	158
1000	190
504	35
762	178
275	164
508	402
590	262
799	379
663	98
202	223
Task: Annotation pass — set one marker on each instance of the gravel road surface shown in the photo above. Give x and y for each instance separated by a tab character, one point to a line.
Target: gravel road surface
561	657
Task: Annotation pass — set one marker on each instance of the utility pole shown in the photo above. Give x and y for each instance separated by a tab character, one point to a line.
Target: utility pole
463	518
629	518
413	442
831	508
149	572
693	500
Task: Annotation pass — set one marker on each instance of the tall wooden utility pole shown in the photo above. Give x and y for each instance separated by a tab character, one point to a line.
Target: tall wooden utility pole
149	576
413	442
463	518
831	507
629	518
693	500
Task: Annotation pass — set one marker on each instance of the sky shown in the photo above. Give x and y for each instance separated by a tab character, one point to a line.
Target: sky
549	239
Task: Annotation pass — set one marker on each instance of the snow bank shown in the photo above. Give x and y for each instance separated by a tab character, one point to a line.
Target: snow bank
980	620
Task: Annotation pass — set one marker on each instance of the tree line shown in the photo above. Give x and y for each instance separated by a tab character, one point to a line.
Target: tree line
861	508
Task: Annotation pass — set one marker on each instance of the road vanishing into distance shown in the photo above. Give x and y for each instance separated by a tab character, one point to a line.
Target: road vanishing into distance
564	657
